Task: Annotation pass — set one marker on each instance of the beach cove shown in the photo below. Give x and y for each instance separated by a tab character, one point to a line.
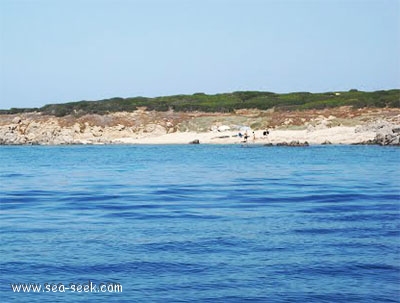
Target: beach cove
343	125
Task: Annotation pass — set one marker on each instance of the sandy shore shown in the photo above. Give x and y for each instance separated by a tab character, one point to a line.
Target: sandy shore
335	135
336	126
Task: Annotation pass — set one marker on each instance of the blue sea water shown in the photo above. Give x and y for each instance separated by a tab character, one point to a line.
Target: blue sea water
202	223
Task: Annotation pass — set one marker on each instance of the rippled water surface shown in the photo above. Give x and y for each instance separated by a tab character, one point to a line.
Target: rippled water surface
202	223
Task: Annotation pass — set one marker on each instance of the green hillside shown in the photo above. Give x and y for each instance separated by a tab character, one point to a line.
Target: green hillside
226	102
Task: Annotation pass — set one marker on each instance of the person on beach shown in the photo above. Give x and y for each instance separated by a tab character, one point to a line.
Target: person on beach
245	136
254	136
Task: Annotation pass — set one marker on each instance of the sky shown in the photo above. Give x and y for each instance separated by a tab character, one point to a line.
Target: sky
56	51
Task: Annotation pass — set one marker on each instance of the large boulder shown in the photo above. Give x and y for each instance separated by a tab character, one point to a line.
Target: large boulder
17	120
388	139
387	136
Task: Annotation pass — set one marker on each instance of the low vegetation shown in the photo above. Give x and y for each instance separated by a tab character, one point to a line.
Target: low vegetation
224	103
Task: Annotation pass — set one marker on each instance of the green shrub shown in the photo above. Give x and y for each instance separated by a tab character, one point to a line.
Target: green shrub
223	102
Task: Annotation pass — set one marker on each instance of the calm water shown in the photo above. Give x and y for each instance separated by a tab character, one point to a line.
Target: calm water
202	223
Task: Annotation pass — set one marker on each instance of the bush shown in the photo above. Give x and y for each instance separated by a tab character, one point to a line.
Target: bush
224	102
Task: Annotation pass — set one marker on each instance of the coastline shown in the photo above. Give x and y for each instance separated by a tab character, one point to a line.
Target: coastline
335	126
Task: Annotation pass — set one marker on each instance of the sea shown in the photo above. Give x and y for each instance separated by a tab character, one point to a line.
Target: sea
199	223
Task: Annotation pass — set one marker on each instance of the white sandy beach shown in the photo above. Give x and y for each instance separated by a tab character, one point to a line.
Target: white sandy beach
335	135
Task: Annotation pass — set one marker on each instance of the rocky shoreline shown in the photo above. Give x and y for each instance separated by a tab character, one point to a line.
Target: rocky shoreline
336	126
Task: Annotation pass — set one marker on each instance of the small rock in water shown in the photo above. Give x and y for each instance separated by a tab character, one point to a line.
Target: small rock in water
293	143
298	143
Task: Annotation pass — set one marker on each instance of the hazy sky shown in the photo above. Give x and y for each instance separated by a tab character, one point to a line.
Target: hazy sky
69	50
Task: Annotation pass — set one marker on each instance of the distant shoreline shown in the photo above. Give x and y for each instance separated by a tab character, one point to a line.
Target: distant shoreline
344	125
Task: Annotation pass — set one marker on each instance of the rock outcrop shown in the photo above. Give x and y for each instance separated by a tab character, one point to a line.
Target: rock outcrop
93	129
386	134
